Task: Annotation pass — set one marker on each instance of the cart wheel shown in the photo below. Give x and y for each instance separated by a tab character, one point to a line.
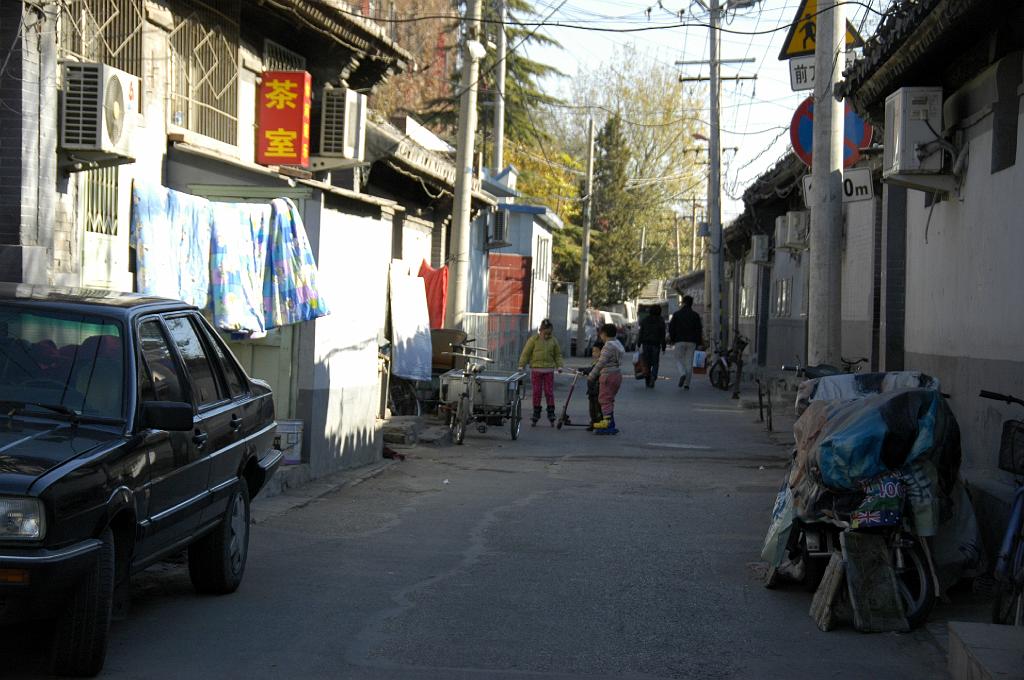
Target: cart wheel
460	419
516	418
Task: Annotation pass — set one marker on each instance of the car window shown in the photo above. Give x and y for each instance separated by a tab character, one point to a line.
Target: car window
62	358
200	371
236	382
159	376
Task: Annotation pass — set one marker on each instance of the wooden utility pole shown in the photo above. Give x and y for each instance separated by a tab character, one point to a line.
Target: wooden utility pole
588	217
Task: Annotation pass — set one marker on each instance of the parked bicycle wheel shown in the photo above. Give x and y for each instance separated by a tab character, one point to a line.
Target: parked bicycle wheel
402	399
914	579
1008	608
719	375
459	420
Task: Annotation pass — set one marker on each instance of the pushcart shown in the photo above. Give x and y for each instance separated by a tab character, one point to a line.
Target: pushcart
478	394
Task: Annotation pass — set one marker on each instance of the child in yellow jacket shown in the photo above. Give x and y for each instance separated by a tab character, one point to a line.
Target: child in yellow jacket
544	357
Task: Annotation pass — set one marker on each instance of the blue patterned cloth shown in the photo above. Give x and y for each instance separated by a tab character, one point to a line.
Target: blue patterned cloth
238	261
290	293
171	237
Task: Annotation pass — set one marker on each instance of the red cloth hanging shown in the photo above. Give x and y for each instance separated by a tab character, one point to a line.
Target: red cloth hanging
436	283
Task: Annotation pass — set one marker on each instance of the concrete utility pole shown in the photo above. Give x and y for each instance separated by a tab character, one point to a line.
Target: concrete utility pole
693	226
824	323
675	222
499	98
715	183
588	217
458	297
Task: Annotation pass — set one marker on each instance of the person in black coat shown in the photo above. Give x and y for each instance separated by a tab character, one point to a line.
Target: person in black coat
652	341
686	332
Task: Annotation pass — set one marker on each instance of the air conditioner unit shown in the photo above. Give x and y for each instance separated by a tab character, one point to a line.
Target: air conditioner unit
499	229
798	226
342	129
913	122
759	249
99	113
781	231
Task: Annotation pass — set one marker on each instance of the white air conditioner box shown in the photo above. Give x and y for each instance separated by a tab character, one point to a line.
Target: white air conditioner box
913	122
798	227
759	249
499	229
342	129
781	231
99	112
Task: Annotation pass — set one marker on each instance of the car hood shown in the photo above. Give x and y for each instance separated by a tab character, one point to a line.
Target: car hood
30	448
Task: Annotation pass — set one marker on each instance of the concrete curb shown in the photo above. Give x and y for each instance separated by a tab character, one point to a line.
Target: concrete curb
266	508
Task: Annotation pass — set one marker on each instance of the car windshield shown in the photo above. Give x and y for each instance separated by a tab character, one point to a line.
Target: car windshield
54	361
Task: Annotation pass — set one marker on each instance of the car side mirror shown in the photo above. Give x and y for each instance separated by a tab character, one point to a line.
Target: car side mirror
174	416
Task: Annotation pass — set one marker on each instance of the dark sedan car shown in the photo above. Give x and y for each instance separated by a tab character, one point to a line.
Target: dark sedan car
128	431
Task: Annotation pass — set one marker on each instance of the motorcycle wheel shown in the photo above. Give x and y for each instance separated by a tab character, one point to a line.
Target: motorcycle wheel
914	579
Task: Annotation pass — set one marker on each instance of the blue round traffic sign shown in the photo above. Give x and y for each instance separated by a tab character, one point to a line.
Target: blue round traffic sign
857	133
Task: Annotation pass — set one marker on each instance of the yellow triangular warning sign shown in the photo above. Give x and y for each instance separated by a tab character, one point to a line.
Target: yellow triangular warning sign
800	38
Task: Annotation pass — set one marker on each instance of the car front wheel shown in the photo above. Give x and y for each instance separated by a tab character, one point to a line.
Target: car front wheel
80	637
216	562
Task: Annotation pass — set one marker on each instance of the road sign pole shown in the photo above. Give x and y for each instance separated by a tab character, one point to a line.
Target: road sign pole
824	323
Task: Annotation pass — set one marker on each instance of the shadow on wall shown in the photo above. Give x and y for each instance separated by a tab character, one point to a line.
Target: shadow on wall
342	429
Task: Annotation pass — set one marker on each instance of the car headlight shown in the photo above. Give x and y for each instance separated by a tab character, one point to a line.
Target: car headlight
21	518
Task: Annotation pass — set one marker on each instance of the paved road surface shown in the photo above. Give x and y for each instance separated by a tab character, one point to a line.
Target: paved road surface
562	555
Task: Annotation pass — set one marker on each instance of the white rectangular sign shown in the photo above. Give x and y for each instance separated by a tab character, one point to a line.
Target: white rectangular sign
801	73
857	186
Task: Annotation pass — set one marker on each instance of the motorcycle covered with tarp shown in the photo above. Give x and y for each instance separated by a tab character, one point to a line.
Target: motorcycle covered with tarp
876	452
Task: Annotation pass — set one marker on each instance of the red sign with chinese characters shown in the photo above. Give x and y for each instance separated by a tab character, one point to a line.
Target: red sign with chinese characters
283	130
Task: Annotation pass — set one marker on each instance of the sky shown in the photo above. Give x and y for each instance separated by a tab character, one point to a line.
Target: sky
755	114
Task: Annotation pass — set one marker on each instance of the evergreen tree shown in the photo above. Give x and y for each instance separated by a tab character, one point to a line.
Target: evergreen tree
616	270
523	93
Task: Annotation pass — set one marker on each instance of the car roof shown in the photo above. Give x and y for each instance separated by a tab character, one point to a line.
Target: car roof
93	300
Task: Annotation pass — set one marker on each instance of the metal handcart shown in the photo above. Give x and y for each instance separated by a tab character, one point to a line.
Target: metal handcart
480	394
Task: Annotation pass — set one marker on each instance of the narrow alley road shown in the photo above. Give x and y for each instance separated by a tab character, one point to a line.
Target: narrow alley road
562	555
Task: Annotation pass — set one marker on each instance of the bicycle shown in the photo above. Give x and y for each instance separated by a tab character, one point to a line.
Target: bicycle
722	363
1009	570
401	393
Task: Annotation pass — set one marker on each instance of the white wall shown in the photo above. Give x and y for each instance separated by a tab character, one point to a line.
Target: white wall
540	286
964	277
353	258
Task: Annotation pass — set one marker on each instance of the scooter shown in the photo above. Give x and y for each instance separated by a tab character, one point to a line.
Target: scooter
563	419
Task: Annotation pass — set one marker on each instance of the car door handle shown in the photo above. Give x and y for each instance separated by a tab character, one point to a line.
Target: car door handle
236	422
199	439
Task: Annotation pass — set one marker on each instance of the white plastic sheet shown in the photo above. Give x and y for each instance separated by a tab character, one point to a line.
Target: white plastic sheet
410	328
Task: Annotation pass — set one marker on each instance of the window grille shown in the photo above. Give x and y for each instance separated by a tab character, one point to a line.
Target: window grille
204	68
277	57
99	201
103	31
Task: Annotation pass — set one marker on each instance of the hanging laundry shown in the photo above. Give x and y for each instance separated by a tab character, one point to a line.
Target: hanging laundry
171	237
436	282
238	265
249	264
290	293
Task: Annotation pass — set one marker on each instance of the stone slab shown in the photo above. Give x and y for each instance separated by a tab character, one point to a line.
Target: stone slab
985	651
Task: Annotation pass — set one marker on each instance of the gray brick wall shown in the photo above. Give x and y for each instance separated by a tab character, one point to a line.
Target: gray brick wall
10	127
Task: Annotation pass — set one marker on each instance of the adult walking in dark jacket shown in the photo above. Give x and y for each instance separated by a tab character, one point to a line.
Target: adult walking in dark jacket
652	341
686	331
